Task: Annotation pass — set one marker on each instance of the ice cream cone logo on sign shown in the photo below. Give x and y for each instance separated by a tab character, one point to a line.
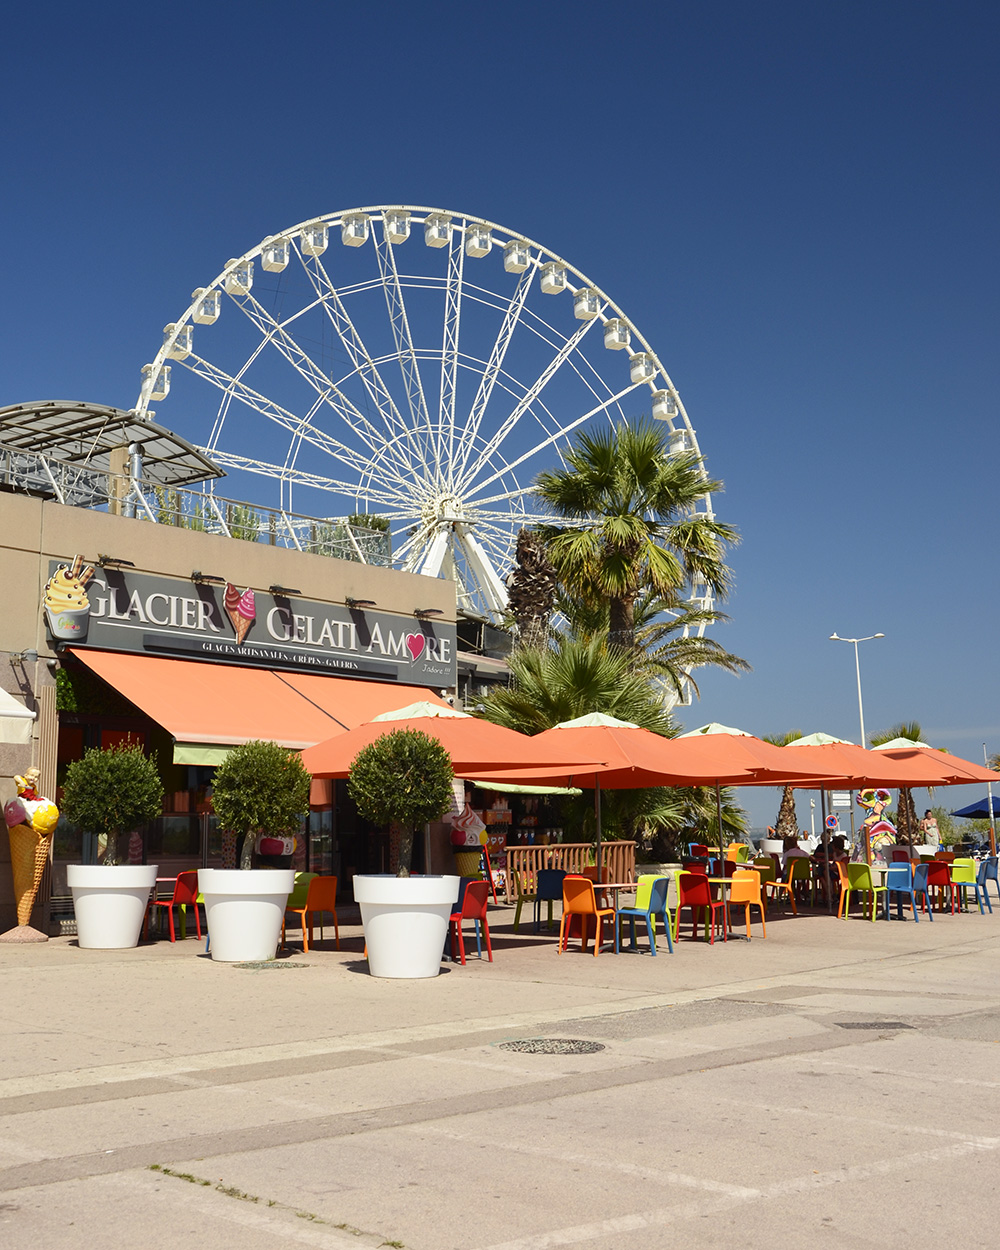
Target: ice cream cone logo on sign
241	610
67	607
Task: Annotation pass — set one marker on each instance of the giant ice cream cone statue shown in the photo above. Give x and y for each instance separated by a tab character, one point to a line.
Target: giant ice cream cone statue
31	822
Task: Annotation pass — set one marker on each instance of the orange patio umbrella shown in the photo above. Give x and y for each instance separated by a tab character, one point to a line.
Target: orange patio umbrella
636	758
850	767
960	772
471	743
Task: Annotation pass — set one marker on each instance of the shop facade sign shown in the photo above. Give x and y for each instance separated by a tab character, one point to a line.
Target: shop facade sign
114	609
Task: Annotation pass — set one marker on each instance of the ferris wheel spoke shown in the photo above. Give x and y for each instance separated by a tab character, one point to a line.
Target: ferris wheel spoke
365	368
536	388
449	347
547	442
230	460
274	332
512	317
405	351
235	389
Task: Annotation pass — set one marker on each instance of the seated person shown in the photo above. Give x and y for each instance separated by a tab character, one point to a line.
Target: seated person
838	849
792	850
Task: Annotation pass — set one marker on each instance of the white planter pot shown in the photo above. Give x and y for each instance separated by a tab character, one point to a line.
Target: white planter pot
406	922
771	846
110	902
244	910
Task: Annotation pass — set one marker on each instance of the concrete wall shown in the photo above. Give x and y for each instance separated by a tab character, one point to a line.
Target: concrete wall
33	532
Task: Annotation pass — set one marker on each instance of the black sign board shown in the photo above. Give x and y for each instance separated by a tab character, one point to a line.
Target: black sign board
119	610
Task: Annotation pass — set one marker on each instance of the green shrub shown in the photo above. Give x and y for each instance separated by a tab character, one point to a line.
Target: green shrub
404	778
260	787
113	792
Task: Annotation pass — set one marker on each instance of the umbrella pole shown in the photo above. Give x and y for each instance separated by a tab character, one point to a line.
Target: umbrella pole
597	818
989	792
826	848
718	808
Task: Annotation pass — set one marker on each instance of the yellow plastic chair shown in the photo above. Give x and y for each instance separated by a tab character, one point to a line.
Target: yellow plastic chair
745	892
527	892
964	876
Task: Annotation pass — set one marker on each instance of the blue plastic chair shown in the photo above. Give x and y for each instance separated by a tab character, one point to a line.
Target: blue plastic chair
548	889
990	865
899	881
656	905
920	887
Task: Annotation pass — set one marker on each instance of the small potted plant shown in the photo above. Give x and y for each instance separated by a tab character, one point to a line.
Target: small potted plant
110	794
259	789
404	780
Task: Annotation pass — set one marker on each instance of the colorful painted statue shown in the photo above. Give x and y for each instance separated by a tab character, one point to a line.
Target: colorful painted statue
881	832
31	822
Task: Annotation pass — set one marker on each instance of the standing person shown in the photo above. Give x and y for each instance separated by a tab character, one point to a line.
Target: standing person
929	828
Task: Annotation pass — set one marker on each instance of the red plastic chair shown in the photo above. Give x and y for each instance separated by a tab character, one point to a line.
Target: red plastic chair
580	900
939	877
474	902
694	891
185	895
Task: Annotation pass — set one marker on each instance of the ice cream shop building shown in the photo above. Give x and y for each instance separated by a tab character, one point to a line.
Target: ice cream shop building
143	607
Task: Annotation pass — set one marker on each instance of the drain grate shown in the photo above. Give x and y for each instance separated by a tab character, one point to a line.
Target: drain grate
552	1046
261	965
872	1024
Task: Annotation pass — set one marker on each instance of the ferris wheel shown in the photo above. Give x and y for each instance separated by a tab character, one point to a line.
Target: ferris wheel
406	366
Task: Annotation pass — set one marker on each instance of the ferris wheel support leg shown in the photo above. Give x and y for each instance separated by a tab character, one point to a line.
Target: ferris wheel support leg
494	591
433	561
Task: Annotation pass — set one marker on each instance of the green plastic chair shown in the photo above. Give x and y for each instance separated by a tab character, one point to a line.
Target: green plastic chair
859	880
297	898
643	890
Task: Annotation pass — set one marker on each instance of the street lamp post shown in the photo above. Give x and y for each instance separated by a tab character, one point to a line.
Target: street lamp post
857	669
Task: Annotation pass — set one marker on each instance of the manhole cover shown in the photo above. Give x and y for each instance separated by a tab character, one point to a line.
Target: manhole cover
873	1024
552	1046
264	964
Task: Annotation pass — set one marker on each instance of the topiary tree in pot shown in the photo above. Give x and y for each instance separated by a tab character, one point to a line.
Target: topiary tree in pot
259	787
110	793
404	778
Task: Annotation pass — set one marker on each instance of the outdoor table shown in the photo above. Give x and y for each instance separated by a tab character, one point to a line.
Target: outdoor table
726	883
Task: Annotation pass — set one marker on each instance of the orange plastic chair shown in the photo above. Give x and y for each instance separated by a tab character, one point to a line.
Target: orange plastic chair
693	891
185	895
745	892
845	886
580	900
474	902
322	897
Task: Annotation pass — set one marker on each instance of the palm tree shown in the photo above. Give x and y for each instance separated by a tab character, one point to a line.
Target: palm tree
907	826
664	642
629	507
787	824
531	589
570	678
575	676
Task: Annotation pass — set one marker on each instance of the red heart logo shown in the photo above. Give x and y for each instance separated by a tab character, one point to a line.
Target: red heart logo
415	645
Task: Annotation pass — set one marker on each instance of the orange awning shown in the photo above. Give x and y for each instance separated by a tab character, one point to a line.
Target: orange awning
227	705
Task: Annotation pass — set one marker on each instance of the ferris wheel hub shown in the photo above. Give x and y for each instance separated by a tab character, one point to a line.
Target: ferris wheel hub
447	508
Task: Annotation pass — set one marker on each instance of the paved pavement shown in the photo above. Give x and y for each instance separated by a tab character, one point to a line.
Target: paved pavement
833	1085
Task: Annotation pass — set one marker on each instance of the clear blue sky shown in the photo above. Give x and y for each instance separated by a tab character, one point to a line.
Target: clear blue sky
795	202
